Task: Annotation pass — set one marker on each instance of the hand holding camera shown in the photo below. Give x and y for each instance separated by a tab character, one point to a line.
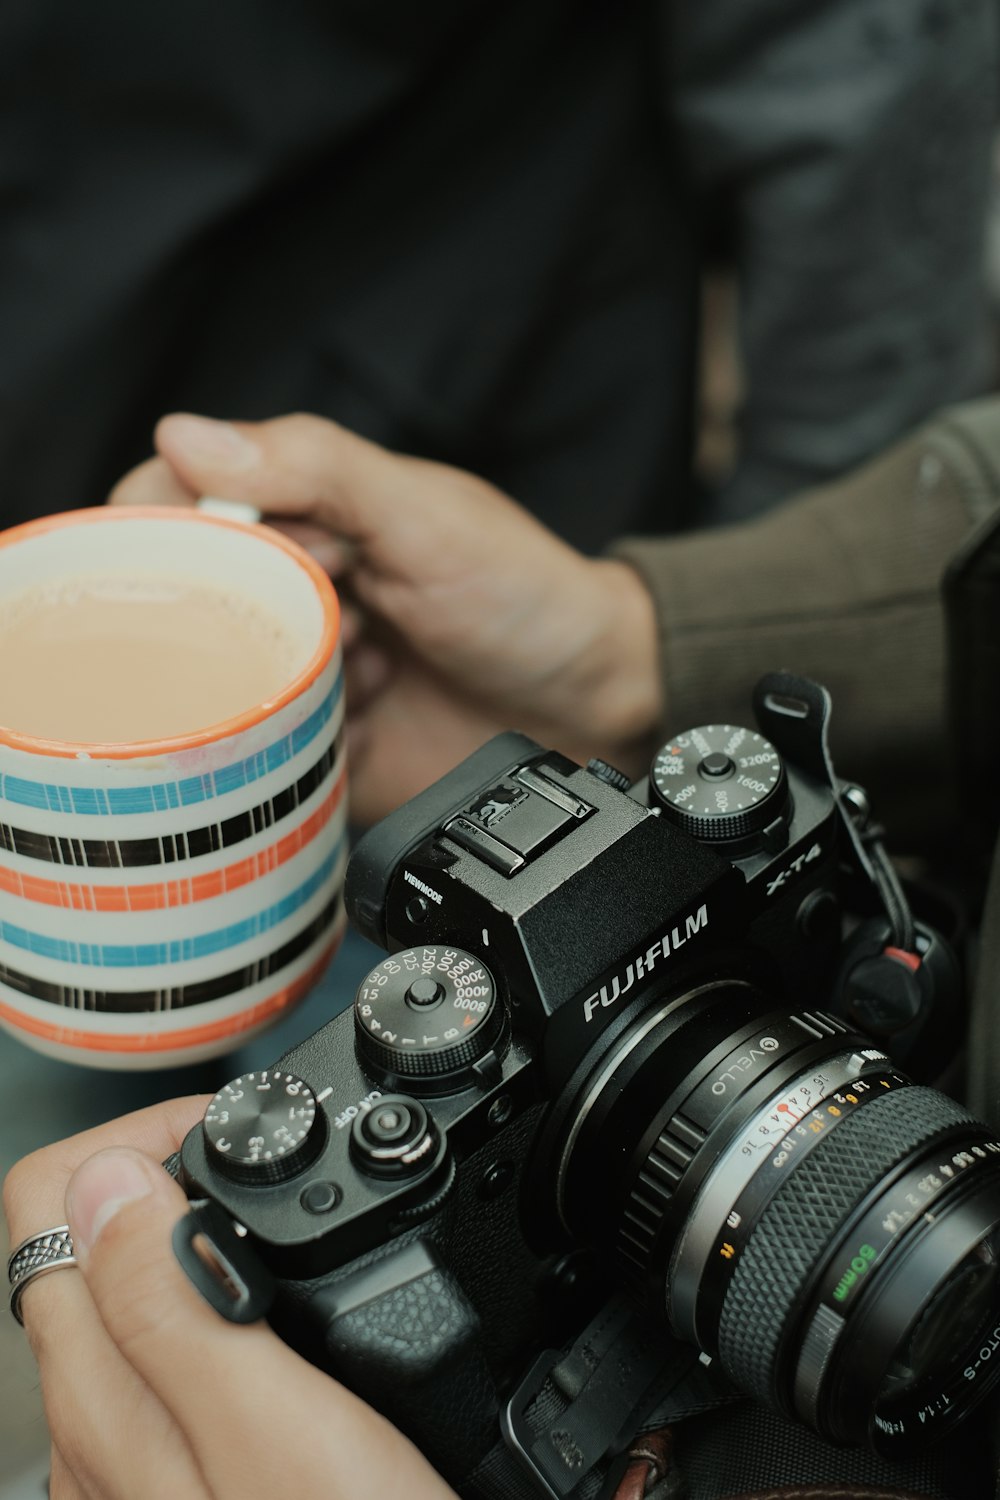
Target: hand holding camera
606	1148
148	1392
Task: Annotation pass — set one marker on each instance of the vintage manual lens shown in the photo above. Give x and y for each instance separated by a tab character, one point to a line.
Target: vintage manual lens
824	1228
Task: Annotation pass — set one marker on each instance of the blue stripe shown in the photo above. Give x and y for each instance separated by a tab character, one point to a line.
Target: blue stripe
143	955
145	799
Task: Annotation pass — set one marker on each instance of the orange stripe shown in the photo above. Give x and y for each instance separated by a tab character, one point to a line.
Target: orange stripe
191	1036
174	892
110	515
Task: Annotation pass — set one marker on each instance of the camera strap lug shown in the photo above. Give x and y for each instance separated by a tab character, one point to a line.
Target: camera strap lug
579	1409
794	714
219	1262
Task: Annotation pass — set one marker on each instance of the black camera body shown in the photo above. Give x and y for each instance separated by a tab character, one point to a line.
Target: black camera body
600	1051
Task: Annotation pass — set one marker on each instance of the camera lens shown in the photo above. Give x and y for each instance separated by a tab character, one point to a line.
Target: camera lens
940	1335
825	1229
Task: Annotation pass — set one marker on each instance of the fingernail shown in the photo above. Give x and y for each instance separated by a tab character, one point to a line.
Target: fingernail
98	1189
217	443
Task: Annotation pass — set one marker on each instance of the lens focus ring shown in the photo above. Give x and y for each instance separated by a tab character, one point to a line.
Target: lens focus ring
802	1224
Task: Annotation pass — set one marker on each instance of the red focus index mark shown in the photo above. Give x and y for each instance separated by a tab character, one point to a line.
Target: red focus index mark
911	960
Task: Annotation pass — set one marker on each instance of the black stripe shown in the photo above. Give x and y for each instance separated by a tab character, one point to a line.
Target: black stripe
98	854
130	1002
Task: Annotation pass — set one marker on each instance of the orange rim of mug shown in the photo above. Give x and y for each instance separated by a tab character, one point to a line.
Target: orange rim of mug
172	1041
225	728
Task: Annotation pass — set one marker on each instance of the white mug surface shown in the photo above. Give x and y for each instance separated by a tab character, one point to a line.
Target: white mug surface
163	900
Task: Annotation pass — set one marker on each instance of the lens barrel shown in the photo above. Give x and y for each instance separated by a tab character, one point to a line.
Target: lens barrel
823	1227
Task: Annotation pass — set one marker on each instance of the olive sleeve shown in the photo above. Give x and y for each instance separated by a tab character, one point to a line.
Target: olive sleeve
841	584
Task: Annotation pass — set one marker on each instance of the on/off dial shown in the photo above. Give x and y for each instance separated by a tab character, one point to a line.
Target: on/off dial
720	782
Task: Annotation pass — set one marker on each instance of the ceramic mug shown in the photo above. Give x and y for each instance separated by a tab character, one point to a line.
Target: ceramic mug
163	901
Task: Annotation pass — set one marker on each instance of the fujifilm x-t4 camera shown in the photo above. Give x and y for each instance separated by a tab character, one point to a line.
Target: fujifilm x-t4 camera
603	1142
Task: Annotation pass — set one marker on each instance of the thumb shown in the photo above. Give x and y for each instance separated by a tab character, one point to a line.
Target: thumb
297	466
214	1377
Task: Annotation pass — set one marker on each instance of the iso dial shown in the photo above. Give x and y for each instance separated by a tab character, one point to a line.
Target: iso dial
263	1127
720	782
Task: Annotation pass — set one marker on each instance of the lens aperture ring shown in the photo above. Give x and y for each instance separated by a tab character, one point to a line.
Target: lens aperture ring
791	1245
721	1222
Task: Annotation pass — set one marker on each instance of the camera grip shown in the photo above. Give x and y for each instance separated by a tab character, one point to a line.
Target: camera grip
403	1335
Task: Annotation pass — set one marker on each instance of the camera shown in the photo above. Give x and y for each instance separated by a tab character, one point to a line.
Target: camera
603	1142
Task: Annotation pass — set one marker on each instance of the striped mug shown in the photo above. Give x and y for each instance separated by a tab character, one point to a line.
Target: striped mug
162	901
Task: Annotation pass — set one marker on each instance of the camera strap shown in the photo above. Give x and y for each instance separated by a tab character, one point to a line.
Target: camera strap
794	713
571	1421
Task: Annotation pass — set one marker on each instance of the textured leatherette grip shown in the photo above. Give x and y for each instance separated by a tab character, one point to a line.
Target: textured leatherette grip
408	1332
413	1352
806	1215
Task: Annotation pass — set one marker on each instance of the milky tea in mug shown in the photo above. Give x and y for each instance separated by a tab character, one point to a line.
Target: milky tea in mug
101	657
172	811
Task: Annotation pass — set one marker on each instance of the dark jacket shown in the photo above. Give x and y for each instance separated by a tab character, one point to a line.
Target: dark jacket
843	584
474	232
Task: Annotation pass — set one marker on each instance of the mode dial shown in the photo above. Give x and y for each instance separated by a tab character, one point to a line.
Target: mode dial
720	782
427	1015
263	1127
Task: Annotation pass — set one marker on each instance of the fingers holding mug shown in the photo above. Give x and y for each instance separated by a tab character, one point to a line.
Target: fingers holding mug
152	483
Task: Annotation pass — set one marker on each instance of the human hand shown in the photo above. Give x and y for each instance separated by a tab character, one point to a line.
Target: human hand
462	614
148	1391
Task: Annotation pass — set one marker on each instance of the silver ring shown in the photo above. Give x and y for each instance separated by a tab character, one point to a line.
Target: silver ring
36	1256
53	1248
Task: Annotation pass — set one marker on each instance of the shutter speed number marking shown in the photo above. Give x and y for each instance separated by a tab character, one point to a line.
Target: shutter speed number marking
469	1001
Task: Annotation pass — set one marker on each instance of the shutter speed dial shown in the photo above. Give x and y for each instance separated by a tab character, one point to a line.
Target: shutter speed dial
427	1015
263	1127
720	782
